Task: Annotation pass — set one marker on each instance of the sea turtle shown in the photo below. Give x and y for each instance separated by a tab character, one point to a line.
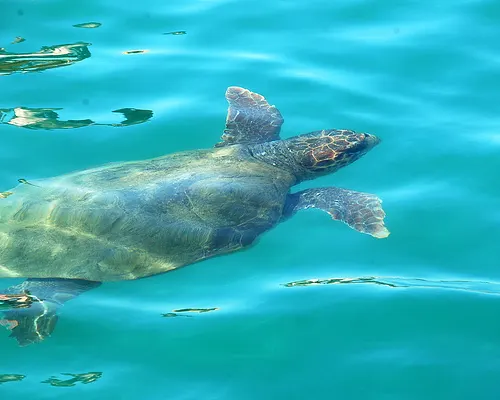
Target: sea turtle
130	220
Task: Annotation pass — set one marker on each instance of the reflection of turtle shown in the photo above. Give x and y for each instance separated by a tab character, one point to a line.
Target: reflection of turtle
135	219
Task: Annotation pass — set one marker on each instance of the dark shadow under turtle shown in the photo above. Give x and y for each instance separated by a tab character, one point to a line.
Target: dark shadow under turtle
135	219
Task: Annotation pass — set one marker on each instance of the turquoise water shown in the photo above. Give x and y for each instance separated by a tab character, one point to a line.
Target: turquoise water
315	310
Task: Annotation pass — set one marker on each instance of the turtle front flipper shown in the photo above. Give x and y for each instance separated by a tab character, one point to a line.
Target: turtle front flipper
33	320
250	119
361	211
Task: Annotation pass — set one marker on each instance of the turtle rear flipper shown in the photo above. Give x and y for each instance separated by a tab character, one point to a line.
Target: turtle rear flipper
250	119
34	323
361	211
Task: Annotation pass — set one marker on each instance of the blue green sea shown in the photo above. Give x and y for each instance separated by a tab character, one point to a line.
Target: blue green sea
314	310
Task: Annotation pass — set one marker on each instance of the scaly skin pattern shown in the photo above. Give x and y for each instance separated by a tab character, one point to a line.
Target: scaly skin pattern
361	211
250	118
135	219
316	153
323	149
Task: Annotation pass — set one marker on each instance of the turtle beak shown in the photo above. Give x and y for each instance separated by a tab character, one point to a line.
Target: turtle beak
370	141
363	143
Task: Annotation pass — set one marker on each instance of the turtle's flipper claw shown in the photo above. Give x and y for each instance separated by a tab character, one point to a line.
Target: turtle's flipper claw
33	324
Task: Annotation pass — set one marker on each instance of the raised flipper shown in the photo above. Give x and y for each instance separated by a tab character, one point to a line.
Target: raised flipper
35	322
250	119
361	211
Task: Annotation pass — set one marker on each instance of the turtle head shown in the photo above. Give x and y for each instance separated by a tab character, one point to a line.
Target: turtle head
323	152
319	153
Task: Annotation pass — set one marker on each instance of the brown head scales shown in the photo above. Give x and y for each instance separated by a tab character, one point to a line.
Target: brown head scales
316	153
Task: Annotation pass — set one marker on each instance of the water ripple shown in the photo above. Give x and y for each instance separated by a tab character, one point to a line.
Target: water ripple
473	286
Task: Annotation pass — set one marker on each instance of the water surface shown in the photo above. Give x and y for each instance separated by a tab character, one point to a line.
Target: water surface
414	316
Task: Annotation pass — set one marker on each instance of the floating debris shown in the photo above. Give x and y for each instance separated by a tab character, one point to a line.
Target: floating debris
11	378
176	33
18	39
4	195
135	51
88	25
86	378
